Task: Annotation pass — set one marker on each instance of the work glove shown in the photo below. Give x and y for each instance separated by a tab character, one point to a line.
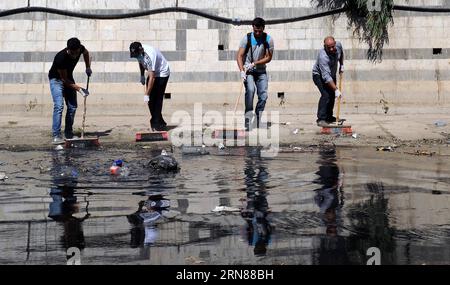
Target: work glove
146	98
341	68
142	79
249	66
88	72
243	76
337	93
84	92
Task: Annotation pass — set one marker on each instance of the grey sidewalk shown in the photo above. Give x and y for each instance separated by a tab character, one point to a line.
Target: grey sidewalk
411	127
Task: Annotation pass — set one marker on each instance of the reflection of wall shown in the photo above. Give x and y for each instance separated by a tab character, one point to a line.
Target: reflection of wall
417	210
107	241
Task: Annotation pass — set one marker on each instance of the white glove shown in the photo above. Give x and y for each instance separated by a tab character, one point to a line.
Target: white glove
142	79
84	92
146	98
337	93
243	75
341	68
249	66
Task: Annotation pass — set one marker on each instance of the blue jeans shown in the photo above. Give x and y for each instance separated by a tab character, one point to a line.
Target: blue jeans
259	81
61	94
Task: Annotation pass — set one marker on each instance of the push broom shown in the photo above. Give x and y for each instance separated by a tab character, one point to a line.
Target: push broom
83	141
233	133
339	127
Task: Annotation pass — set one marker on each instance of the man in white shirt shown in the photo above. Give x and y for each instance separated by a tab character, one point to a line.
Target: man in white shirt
152	60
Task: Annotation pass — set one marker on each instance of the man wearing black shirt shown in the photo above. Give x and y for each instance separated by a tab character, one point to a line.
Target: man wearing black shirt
63	86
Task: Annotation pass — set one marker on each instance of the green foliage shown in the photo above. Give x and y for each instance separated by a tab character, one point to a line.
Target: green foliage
370	27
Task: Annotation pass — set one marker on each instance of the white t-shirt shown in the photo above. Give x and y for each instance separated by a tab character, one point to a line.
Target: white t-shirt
154	60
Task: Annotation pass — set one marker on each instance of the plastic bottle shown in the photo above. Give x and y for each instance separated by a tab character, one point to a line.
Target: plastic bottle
115	169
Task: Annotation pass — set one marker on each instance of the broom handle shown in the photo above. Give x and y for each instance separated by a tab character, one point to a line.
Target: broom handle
238	98
339	99
84	110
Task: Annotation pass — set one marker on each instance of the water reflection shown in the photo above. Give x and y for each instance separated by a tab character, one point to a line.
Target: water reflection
258	229
367	221
329	199
144	229
65	203
370	226
386	205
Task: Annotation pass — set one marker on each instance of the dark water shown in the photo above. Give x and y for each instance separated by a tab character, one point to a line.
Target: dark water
327	206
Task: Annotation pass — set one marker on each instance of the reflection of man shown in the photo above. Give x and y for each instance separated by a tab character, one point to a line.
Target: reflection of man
65	204
332	246
144	231
258	227
62	209
327	197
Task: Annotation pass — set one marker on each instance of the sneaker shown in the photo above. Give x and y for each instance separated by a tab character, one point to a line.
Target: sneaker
72	137
57	140
322	123
331	120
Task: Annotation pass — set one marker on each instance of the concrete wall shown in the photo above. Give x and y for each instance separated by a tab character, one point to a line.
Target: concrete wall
409	74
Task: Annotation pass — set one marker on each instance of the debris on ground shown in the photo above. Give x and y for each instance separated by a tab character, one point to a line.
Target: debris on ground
194	260
163	162
355	136
422	152
385	148
291	149
194	150
3	176
285	123
59	147
295	131
440	123
270	152
118	168
225	209
384	102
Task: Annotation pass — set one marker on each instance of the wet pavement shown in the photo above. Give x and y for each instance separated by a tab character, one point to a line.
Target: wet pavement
323	206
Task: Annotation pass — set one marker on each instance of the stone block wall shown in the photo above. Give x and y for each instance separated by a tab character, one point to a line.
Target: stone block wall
201	52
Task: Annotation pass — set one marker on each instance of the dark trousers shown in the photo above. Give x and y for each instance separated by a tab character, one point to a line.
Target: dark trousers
156	102
326	102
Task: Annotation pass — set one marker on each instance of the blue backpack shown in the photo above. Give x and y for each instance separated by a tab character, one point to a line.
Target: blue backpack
249	45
